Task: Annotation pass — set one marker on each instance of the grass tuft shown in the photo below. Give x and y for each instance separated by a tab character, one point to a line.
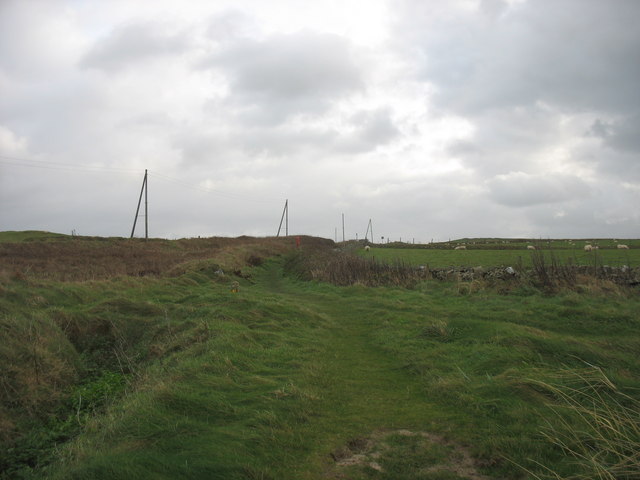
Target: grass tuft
594	422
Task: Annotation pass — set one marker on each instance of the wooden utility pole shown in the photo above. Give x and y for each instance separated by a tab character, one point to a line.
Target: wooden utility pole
343	227
146	209
146	206
285	217
369	229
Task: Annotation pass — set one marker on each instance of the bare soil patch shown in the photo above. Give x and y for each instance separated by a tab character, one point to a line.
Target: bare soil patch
403	452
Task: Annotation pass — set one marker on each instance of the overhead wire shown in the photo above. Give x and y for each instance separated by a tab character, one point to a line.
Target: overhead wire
30	163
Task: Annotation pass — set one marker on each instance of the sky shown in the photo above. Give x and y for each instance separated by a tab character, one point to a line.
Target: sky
435	119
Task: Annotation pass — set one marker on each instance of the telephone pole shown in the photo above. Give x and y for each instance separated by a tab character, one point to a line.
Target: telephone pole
343	227
369	229
285	218
146	209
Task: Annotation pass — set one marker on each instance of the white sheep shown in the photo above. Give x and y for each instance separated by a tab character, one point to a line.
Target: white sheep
588	248
460	247
530	247
367	248
623	247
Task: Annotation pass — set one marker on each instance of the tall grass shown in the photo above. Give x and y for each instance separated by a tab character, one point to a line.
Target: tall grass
344	268
594	422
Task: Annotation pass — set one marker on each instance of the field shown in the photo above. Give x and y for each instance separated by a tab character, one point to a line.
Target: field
112	369
491	255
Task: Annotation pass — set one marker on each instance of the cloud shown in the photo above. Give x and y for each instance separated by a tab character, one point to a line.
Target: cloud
132	44
518	189
374	127
575	54
457	118
288	74
231	25
358	133
622	135
37	39
11	144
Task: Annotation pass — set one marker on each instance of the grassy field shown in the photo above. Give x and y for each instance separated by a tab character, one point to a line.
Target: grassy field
173	376
478	256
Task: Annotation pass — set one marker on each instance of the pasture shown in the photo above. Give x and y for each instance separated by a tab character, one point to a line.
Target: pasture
168	373
489	255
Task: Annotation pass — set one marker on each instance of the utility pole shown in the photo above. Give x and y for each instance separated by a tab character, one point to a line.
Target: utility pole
336	235
285	216
369	229
146	206
146	209
343	227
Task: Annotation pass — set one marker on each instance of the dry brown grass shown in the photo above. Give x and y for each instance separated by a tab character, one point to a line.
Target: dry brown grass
345	268
94	258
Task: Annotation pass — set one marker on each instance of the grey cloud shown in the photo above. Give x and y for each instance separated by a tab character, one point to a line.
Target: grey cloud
573	53
606	212
493	8
288	74
519	189
375	127
231	25
128	45
622	135
510	139
369	129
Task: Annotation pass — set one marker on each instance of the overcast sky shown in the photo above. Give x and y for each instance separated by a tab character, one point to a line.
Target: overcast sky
435	119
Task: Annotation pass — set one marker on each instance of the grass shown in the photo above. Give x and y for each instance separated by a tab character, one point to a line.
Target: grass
595	423
438	258
175	376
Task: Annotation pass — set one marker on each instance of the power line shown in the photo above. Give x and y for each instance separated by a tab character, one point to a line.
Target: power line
29	163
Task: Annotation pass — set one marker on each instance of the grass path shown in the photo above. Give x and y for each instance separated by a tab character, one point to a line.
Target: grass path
366	390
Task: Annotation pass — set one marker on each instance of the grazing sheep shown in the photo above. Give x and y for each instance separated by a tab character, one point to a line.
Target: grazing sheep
367	248
588	248
623	247
460	247
530	247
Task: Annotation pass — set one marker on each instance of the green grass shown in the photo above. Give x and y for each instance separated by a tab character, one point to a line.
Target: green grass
180	378
473	257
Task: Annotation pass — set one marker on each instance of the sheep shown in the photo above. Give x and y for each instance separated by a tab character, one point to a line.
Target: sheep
588	248
530	247
367	248
623	247
460	247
